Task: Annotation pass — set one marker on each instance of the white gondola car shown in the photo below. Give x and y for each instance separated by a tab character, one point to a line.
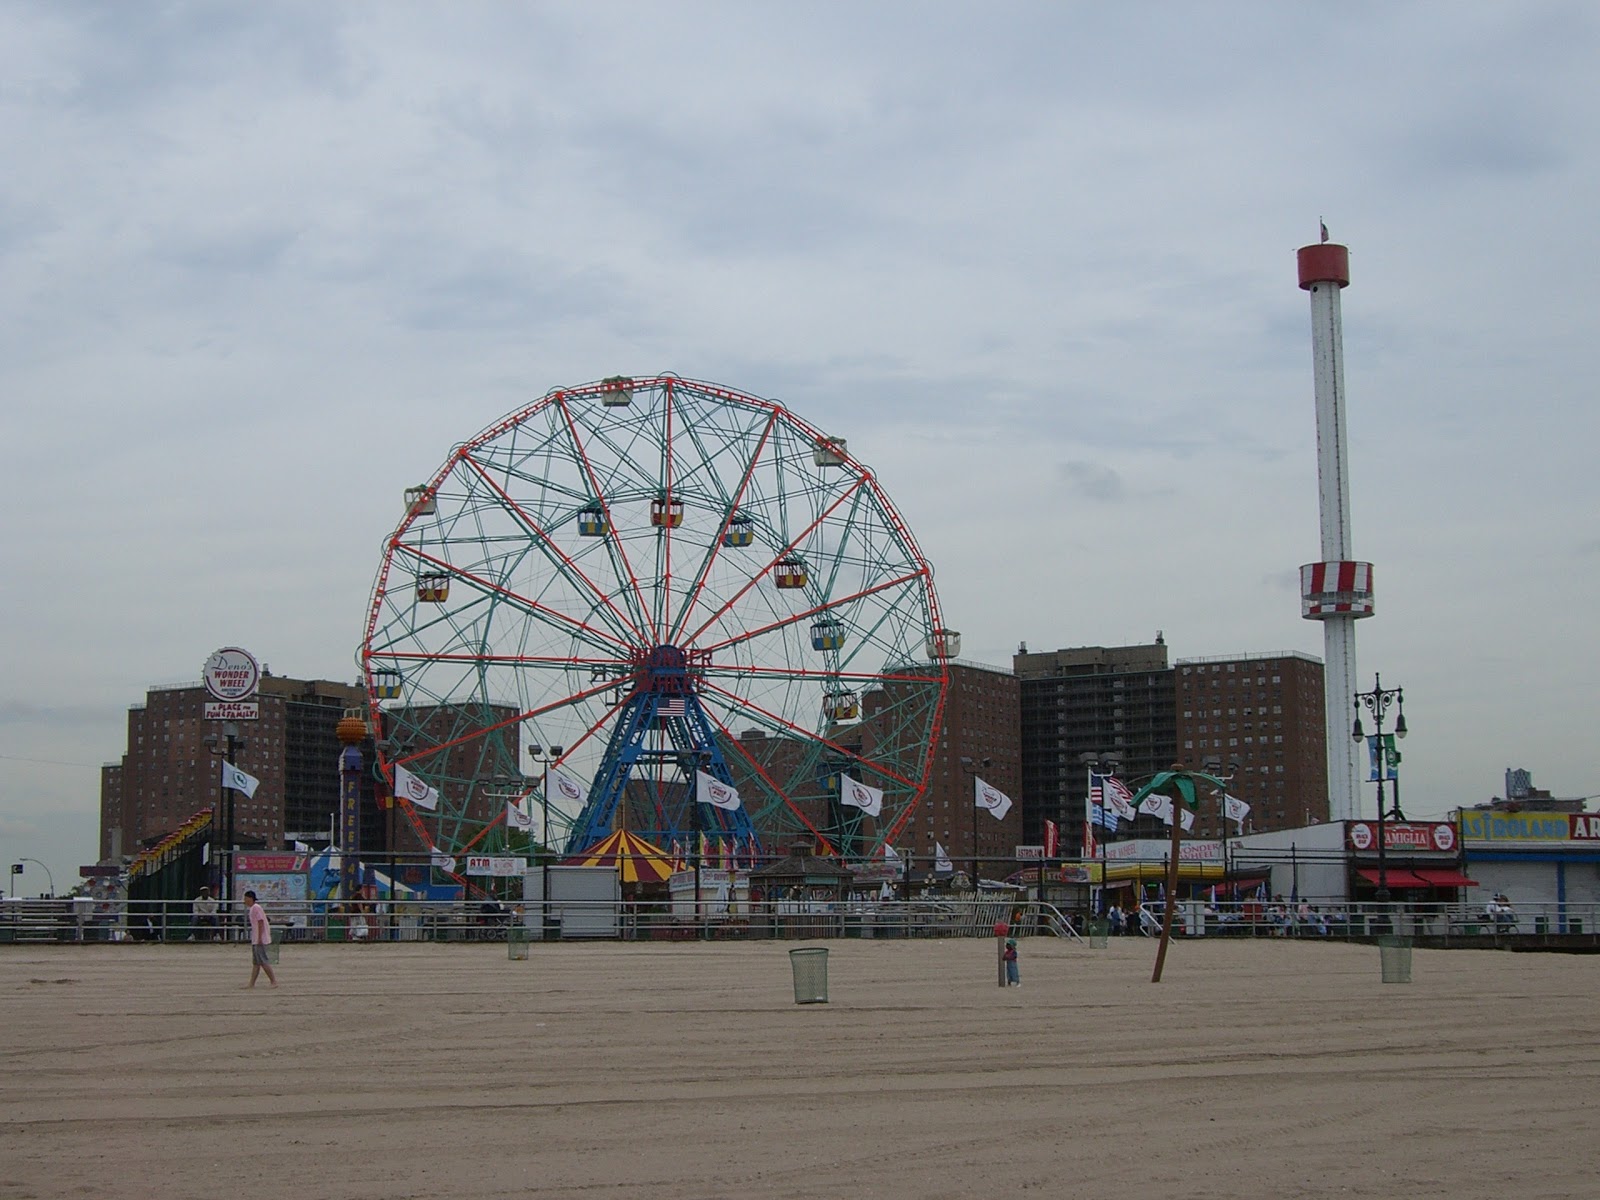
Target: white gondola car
829	452
617	391
420	502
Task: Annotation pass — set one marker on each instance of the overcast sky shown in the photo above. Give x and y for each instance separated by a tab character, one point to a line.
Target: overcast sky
263	265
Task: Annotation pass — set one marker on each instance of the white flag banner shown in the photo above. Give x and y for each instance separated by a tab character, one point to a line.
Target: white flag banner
1161	806
302	848
409	787
443	861
853	792
711	790
990	797
941	859
236	779
1236	809
517	819
566	788
891	857
1119	798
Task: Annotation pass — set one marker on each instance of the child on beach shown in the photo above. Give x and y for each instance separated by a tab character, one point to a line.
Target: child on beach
1013	975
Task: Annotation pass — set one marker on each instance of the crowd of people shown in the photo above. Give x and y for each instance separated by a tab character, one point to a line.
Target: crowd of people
1277	917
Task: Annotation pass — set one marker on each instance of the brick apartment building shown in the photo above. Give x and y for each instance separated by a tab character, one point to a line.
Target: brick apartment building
169	771
1259	717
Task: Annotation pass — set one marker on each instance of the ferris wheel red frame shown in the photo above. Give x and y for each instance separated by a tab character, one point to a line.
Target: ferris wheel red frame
665	578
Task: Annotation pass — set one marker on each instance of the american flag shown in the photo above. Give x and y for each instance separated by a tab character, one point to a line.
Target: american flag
1114	794
670	706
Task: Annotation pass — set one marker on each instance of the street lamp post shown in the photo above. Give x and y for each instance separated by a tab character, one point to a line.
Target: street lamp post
1377	702
972	767
544	761
16	869
229	744
1213	766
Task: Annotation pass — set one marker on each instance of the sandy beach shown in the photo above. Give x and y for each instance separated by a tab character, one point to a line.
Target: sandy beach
1257	1068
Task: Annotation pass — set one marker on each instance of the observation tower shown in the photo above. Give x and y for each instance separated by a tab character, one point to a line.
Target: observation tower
1337	590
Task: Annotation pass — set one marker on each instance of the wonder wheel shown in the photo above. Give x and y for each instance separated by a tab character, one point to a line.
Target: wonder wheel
632	590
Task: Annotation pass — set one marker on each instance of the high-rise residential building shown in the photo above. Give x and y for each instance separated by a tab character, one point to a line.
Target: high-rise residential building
170	770
978	740
1259	719
1089	703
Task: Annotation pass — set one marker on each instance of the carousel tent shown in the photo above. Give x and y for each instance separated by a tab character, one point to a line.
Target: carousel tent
635	860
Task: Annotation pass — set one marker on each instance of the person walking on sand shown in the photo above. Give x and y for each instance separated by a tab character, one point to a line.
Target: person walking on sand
1013	973
260	939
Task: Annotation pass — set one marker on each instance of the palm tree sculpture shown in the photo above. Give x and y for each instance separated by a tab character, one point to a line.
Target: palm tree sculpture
1183	783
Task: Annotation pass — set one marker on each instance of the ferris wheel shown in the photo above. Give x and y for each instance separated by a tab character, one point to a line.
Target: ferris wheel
675	596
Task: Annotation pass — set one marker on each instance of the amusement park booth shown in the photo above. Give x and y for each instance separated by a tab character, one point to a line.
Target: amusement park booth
801	896
1547	863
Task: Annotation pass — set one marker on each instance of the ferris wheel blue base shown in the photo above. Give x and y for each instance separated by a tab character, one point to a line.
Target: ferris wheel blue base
660	739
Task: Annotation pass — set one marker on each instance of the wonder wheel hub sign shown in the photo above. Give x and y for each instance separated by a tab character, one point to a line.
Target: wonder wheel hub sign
232	677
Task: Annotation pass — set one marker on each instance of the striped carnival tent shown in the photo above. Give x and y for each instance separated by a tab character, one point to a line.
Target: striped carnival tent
636	860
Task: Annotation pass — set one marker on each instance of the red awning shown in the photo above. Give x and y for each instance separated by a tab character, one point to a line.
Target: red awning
1395	877
1437	877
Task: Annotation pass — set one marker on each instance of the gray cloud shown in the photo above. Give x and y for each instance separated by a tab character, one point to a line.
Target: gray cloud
265	265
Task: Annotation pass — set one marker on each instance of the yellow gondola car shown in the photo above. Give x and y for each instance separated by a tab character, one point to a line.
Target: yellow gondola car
827	635
740	531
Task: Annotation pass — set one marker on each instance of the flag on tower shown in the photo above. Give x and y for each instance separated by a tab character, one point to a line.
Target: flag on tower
853	792
1161	806
1118	796
1324	226
409	787
711	790
1235	809
236	779
941	859
567	788
992	798
517	819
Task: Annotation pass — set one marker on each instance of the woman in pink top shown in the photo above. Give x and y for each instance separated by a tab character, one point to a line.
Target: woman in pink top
260	939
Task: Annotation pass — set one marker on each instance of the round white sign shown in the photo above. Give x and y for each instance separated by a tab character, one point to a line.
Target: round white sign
1444	837
1361	836
232	674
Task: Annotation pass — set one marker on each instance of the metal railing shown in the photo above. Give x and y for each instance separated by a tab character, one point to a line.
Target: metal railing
84	921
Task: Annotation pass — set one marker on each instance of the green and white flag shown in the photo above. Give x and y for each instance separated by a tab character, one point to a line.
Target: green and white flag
233	777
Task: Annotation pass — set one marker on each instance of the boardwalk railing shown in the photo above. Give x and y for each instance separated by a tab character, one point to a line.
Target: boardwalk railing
79	920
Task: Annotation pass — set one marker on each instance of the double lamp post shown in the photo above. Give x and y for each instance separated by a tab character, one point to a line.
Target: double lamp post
1377	702
544	761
